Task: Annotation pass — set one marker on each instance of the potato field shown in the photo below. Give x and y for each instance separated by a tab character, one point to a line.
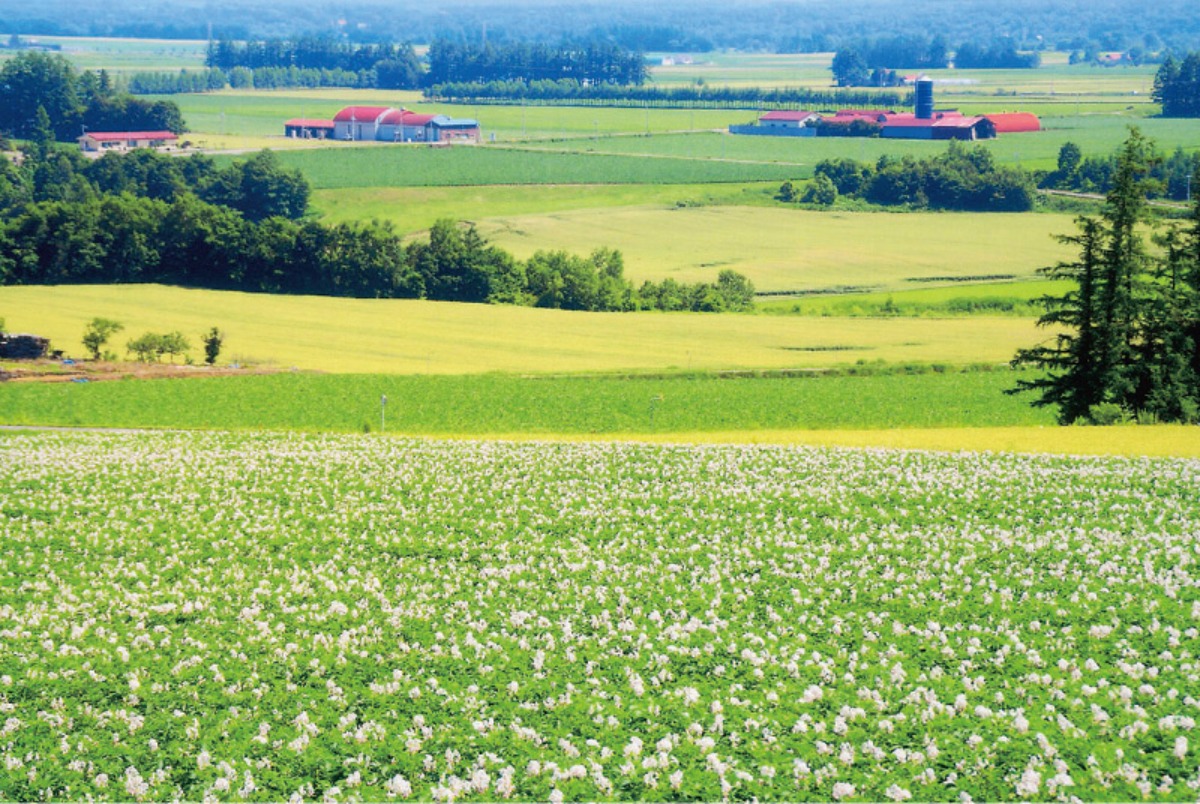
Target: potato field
268	616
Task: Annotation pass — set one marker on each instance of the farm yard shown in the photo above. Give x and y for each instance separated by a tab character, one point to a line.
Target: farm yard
266	616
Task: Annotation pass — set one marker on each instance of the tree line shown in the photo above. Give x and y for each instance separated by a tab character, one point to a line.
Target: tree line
382	66
1166	176
960	179
595	62
213	78
873	62
32	81
1177	86
691	96
145	217
1128	344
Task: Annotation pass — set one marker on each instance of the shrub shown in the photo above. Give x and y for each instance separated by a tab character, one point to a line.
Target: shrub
1106	414
97	333
212	345
821	190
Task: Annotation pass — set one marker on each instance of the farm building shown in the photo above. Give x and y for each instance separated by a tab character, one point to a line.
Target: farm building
99	141
359	122
942	126
787	119
385	124
924	123
307	129
23	347
1015	122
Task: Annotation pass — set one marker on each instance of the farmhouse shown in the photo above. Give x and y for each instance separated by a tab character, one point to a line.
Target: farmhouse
99	141
782	124
386	124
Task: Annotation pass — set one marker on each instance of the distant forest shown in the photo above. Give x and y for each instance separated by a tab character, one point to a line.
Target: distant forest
755	25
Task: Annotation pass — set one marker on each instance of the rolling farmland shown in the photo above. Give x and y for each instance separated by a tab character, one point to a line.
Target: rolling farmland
420	337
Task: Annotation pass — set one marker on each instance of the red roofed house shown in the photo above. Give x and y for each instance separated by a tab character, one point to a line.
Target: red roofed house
98	141
359	122
307	129
1015	122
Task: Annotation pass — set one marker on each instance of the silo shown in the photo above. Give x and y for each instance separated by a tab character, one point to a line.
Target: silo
925	99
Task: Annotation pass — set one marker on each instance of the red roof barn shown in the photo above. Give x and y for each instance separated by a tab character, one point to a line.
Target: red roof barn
1015	122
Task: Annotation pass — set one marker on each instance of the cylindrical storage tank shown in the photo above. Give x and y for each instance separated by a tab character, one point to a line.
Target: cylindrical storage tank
925	99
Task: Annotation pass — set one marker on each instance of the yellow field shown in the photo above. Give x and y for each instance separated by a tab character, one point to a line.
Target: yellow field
1177	441
402	336
787	249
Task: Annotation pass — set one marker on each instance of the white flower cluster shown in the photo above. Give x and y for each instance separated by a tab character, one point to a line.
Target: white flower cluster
227	617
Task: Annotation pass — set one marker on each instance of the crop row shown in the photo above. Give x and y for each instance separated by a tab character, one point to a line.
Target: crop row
228	617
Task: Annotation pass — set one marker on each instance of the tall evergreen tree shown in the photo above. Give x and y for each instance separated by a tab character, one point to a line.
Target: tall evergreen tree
1131	327
1075	369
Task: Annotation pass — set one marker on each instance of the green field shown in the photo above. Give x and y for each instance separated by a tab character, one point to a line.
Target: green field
490	404
415	209
419	337
998	298
416	165
797	250
119	55
691	232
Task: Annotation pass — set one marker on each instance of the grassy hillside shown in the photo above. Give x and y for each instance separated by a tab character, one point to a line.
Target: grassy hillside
413	209
796	250
416	337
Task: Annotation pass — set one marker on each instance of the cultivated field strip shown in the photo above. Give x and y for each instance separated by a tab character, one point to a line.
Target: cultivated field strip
226	617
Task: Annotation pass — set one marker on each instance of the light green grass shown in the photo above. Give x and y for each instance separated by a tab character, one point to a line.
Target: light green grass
127	55
794	250
416	337
417	165
496	404
413	209
1009	298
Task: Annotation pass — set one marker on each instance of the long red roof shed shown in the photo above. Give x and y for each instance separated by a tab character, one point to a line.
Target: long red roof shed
1015	122
360	114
